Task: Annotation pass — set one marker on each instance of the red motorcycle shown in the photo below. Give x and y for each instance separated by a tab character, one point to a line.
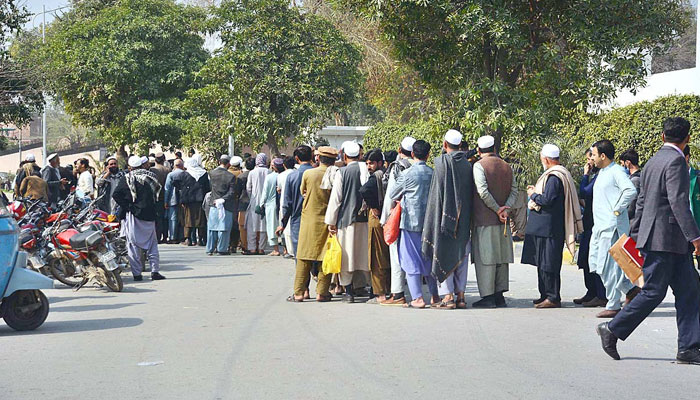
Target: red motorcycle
80	254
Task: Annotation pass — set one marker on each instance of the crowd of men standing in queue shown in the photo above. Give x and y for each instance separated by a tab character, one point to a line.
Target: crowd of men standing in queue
459	209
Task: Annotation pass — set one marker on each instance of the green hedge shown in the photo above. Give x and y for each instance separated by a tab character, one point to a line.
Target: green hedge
636	126
388	136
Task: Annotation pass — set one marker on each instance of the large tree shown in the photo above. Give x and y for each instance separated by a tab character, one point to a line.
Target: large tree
123	66
278	75
519	66
19	97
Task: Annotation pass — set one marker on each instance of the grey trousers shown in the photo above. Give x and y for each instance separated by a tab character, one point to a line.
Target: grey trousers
491	278
358	279
261	242
134	256
398	277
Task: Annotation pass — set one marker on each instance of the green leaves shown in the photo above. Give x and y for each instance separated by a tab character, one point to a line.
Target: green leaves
122	67
517	67
19	95
279	74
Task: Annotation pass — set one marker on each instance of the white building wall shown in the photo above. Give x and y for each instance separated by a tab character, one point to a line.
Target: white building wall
685	81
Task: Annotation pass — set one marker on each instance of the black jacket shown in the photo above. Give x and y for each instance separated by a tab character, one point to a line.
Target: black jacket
223	186
144	208
191	190
663	221
549	221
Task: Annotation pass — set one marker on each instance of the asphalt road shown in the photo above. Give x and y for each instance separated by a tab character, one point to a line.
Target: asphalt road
219	328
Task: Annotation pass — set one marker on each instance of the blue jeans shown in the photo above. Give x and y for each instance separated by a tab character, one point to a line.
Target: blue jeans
222	237
173	231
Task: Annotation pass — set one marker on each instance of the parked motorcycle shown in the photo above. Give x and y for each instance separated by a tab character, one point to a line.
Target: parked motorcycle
81	254
22	304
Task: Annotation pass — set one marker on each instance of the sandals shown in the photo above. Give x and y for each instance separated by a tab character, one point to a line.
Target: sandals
293	299
324	298
445	305
248	253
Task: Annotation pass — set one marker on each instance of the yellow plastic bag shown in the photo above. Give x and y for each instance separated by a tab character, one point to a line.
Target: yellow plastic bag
333	257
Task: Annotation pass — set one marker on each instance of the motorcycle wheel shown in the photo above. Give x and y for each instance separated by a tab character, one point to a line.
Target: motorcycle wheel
25	310
113	280
64	271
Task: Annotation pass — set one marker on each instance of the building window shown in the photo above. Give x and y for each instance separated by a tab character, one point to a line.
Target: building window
682	54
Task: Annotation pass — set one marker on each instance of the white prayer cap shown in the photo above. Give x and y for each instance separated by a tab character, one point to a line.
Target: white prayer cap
345	143
111	158
351	149
550	151
407	143
51	156
453	137
30	158
485	142
236	161
135	161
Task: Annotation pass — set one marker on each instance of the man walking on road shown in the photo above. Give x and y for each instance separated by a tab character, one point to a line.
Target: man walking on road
612	193
137	194
663	227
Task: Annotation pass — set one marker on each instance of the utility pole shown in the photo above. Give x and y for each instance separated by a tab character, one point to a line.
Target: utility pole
43	115
230	145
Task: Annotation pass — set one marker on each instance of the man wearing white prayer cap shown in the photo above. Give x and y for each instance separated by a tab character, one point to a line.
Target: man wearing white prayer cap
30	158
52	176
344	218
554	220
398	276
453	137
137	194
492	244
402	162
447	233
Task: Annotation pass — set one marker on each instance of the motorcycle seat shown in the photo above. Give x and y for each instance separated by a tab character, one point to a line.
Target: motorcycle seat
85	240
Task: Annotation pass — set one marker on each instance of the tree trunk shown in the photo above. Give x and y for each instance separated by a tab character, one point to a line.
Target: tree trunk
272	144
122	156
498	137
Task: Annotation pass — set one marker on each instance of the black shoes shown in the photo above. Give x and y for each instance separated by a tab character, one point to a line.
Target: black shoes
486	302
348	298
138	278
538	301
691	356
500	300
609	341
156	276
225	254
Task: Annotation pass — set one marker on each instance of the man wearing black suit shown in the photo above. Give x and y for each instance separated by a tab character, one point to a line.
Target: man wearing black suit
662	228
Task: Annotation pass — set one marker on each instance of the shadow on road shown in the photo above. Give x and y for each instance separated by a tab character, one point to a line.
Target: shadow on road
208	276
53	300
93	307
649	359
84	325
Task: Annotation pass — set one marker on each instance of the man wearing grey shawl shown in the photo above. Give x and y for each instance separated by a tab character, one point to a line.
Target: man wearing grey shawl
137	194
448	216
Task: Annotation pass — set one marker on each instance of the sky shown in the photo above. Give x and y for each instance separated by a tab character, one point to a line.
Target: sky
35	6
